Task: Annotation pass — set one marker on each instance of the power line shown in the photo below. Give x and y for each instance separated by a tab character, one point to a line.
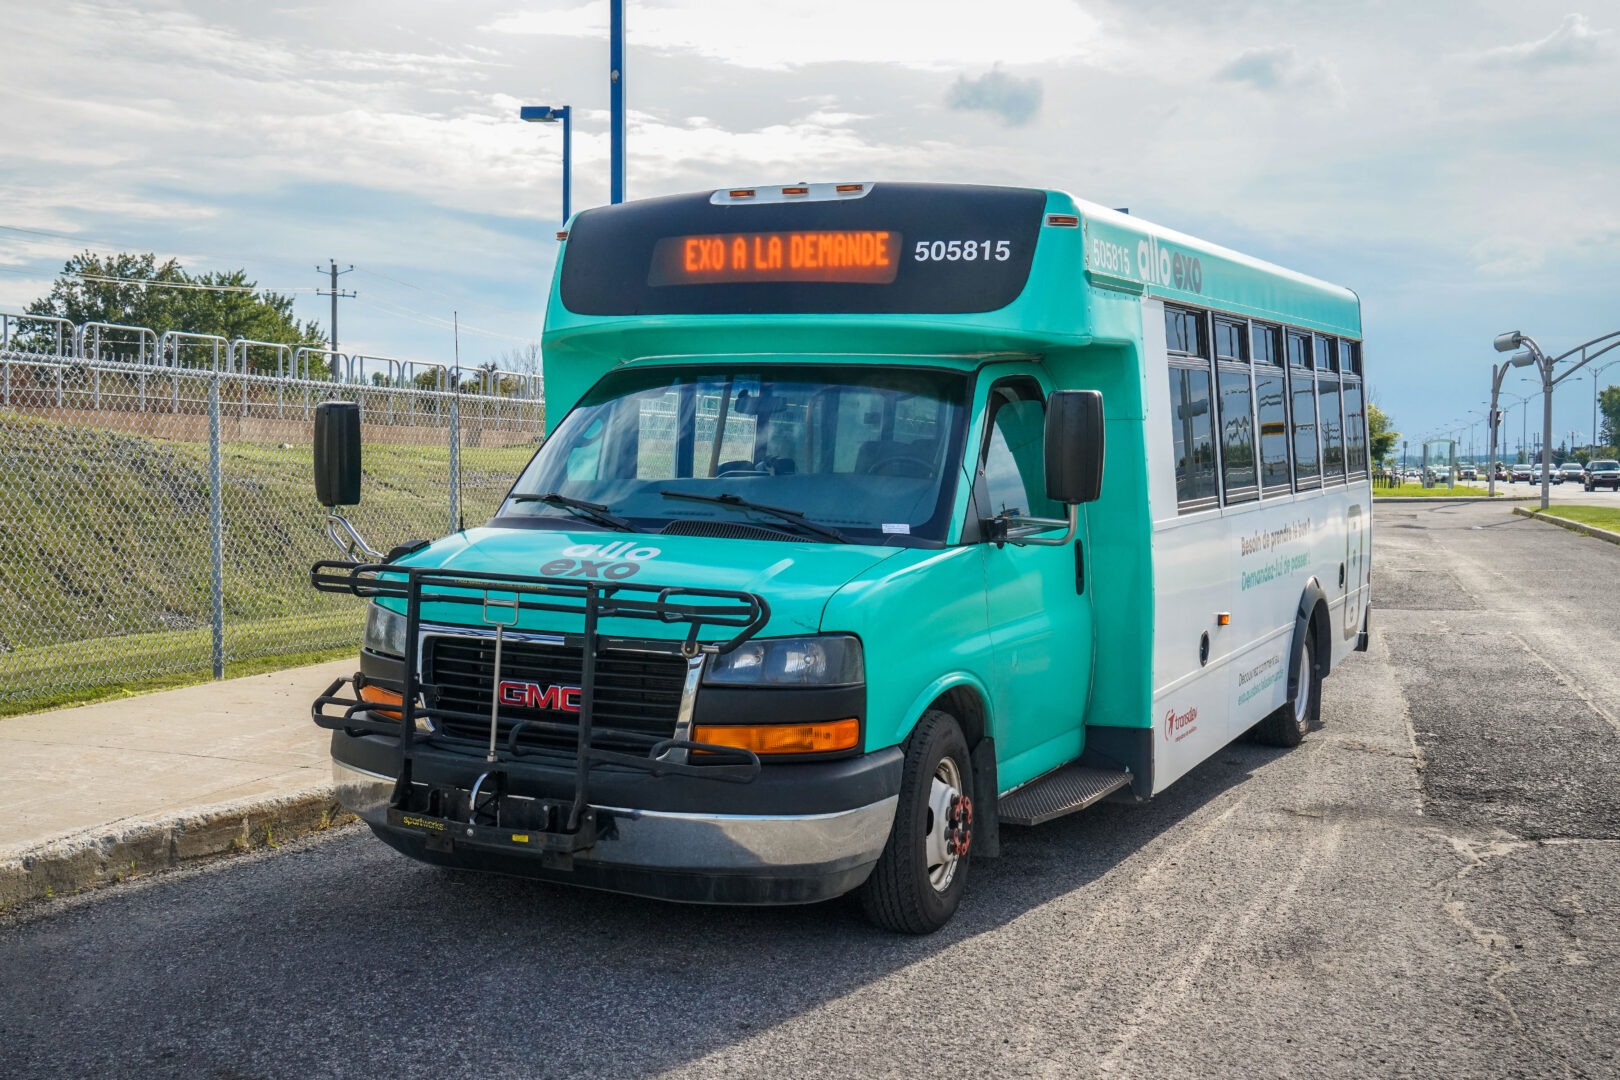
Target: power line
445	295
187	285
440	323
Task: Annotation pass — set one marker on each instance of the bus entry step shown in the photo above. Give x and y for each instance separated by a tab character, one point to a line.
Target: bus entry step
1063	791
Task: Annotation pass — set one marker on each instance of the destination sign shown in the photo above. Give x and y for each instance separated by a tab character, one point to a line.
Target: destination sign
858	256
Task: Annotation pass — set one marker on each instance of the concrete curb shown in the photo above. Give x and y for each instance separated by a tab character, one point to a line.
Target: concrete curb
1573	526
100	856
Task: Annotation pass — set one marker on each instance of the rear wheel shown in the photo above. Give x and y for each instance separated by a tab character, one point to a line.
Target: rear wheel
918	881
1288	725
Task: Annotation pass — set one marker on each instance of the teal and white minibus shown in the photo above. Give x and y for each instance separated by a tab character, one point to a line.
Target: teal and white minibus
874	518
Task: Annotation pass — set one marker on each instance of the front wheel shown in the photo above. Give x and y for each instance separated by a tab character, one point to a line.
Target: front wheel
918	881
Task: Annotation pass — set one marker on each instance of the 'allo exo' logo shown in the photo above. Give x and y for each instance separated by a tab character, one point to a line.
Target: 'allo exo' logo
528	695
614	562
1177	725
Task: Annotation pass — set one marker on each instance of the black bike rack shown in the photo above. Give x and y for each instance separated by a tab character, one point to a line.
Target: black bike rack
485	815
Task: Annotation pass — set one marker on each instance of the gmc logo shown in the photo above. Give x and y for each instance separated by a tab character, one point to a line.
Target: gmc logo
528	695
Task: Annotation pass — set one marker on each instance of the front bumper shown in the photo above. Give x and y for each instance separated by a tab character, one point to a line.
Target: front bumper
799	834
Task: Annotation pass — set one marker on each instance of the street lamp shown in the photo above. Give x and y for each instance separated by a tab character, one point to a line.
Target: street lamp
1528	352
546	114
1595	371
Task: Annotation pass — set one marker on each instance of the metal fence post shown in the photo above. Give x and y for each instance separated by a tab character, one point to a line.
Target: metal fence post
216	529
455	460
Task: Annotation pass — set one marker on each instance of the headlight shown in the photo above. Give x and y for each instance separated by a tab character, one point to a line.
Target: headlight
385	631
828	660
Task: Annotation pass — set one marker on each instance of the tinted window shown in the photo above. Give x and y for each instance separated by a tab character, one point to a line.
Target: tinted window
1350	357
1267	348
1192	431
1184	332
1231	340
1307	463
1271	392
1327	354
1237	435
1014	469
1299	350
1355	430
1327	393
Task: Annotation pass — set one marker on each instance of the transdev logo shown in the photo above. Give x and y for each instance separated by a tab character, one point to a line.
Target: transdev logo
1178	727
528	695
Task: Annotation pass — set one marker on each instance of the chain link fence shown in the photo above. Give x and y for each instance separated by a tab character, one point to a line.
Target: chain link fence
157	522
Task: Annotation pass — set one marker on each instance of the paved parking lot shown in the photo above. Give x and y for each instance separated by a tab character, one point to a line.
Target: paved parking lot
1426	887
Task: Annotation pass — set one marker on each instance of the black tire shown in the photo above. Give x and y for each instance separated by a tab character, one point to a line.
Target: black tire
900	895
1287	726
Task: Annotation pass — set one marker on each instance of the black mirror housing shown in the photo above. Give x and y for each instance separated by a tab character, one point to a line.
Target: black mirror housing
337	453
1074	446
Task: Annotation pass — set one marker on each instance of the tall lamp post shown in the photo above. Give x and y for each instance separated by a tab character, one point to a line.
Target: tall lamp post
546	114
1595	370
1526	352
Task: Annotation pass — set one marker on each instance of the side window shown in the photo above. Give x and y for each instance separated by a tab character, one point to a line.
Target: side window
1238	478
1271	407
1302	404
1327	353
1193	439
1185	333
1327	395
1349	357
1355	429
1013	471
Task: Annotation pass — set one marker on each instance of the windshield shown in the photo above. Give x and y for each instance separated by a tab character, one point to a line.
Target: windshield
1606	465
866	454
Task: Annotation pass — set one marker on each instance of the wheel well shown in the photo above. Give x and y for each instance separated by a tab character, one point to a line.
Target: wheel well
1320	637
965	704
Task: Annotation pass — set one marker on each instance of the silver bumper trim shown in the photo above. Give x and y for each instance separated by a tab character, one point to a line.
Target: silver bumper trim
657	839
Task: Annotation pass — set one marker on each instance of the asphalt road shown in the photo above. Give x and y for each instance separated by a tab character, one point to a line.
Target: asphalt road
1426	887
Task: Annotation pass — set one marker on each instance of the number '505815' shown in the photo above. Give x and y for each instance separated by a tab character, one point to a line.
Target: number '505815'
963	250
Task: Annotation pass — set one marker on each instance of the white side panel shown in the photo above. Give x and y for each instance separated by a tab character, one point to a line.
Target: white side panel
1161	469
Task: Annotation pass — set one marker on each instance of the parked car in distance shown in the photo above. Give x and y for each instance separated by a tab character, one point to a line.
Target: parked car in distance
1571	470
1604	472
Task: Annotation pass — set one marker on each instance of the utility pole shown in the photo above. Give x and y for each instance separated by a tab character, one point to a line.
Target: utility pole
336	294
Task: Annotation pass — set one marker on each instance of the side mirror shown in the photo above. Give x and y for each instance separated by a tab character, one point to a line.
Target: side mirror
337	453
1074	446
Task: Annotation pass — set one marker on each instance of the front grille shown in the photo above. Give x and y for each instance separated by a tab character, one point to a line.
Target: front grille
638	694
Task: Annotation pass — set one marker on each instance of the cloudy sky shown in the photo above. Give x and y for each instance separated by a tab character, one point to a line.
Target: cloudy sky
1457	163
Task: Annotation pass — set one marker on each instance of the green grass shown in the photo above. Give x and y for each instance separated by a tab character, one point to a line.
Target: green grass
104	546
89	695
1604	517
1405	491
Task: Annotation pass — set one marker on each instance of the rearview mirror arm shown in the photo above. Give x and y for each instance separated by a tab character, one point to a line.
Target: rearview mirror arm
355	544
1026	530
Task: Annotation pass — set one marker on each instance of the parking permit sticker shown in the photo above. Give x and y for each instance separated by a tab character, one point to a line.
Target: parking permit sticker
903	529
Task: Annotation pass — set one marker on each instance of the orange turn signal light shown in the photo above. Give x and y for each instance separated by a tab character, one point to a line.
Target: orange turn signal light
1063	221
783	738
380	696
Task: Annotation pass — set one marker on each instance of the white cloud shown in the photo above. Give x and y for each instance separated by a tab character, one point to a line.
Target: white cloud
1013	99
1574	42
1281	67
935	35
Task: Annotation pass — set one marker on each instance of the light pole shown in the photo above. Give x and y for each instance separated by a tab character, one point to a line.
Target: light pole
1528	352
546	114
1595	371
616	100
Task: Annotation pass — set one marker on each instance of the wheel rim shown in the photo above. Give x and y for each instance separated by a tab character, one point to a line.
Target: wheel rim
950	824
1302	692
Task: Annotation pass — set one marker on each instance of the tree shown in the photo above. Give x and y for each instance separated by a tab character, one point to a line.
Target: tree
1381	436
1609	406
92	288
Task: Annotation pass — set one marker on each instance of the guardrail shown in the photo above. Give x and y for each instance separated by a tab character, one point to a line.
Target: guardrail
181	350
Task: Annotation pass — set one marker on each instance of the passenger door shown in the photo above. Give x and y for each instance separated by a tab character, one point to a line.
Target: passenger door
1355	534
1040	620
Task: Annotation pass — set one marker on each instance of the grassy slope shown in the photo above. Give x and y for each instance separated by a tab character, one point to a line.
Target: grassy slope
104	543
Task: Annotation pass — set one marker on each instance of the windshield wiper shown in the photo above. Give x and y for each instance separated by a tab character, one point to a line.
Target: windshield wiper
593	511
792	517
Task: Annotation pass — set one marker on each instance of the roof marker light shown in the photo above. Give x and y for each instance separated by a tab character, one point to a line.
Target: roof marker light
741	193
795	191
1063	221
848	189
562	235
